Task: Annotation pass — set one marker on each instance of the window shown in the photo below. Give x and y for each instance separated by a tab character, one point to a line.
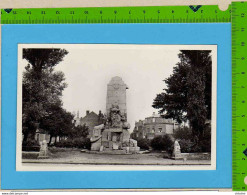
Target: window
160	129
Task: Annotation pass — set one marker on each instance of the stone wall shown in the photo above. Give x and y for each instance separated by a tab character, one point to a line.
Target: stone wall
196	156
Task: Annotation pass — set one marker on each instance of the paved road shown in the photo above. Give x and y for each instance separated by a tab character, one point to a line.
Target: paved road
77	157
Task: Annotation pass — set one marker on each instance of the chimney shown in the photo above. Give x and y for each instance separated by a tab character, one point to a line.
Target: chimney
100	113
153	113
87	112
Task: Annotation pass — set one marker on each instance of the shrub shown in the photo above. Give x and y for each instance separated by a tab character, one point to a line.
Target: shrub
30	145
74	143
188	145
205	144
87	144
143	143
61	143
164	142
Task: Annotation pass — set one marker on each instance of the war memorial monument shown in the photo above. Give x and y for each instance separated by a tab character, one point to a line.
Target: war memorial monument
113	136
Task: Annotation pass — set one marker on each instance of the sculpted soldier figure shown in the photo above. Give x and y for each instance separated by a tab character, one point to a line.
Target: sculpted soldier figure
115	116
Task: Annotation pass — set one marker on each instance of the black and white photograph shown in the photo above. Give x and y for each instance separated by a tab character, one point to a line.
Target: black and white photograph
116	107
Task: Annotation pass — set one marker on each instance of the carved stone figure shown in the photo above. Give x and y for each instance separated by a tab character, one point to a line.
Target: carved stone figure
115	116
126	125
96	137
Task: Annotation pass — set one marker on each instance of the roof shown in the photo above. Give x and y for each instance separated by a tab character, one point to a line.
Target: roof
155	116
90	115
117	81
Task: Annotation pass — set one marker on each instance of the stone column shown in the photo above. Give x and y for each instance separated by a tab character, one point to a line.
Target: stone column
116	95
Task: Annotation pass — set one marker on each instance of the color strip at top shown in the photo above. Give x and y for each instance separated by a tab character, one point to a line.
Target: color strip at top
157	14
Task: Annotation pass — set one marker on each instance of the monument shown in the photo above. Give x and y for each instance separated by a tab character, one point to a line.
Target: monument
116	95
43	150
113	135
176	154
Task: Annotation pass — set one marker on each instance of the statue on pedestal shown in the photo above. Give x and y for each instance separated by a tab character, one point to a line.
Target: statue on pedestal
176	151
43	150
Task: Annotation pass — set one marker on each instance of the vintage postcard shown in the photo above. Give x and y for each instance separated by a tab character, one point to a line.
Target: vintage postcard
116	107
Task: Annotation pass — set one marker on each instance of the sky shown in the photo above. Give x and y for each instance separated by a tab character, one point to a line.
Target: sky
88	68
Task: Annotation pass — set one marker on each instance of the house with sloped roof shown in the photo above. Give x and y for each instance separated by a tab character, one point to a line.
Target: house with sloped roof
91	119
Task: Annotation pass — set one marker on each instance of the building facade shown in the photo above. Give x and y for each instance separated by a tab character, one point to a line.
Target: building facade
90	120
153	126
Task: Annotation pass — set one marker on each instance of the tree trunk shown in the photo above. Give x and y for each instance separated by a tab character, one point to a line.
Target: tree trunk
50	140
25	138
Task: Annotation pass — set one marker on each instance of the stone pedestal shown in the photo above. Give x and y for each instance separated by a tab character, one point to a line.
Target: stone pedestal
126	135
176	155
95	143
131	150
43	153
101	148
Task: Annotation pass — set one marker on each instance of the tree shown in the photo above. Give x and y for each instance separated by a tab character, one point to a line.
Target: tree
41	87
58	122
188	92
81	131
183	133
41	59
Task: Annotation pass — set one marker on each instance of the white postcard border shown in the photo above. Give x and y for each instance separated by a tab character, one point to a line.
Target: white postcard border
84	167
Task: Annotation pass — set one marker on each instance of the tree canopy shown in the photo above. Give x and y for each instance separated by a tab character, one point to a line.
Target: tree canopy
44	58
42	90
187	96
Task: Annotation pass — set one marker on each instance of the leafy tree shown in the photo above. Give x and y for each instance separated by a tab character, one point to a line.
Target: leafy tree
41	87
188	92
58	122
183	133
41	59
79	131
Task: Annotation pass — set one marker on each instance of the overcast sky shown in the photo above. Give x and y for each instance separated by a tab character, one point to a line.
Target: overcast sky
88	68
